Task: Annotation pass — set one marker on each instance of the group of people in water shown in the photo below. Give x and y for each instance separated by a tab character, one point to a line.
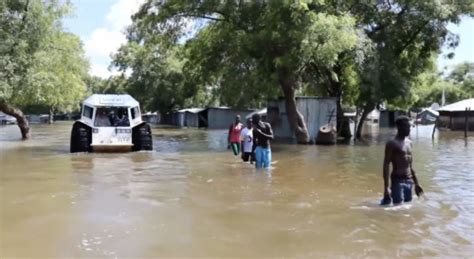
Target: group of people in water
253	143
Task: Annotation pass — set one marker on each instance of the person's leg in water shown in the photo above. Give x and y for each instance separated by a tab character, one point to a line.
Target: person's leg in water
267	157
245	156
236	148
407	191
258	157
397	192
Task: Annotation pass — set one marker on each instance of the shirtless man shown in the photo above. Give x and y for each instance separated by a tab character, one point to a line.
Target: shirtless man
262	135
398	152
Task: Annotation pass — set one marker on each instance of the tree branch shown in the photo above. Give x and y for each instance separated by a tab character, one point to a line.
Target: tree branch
413	37
200	16
383	26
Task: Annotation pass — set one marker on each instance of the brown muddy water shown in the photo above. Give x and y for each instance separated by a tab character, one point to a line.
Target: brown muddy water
190	197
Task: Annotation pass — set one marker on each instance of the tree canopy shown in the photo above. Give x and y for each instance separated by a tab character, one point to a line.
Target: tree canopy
41	64
246	52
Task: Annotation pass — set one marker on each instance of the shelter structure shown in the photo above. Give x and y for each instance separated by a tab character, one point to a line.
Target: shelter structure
457	116
317	112
151	117
6	119
222	117
190	118
427	116
388	117
209	117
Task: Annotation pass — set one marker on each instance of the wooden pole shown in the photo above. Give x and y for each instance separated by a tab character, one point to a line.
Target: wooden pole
355	123
466	121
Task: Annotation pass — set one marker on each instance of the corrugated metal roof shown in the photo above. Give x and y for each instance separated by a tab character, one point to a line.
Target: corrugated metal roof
192	110
430	111
459	106
261	112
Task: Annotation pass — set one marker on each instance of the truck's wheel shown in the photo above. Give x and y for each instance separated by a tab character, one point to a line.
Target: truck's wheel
142	139
80	138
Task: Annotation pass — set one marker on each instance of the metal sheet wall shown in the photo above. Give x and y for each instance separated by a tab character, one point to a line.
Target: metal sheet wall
222	118
317	111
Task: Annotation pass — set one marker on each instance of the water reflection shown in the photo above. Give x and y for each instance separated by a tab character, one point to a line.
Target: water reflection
191	197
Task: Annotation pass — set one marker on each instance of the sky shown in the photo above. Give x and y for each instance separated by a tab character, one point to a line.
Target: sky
101	25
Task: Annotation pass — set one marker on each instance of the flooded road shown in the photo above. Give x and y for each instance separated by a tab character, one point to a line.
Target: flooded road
191	197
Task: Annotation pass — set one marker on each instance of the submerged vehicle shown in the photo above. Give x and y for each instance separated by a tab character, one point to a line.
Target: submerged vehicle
110	123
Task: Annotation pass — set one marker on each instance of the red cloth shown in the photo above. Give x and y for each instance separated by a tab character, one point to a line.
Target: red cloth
235	132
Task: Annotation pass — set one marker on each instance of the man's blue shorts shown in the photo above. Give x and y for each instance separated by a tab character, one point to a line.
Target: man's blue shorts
401	190
263	157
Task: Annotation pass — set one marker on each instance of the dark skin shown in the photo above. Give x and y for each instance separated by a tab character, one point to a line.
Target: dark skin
249	126
398	152
237	121
262	132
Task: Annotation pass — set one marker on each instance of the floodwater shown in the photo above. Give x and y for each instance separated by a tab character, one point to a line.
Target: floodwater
191	197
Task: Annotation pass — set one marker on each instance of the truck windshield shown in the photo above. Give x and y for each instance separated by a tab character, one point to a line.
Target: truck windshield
112	117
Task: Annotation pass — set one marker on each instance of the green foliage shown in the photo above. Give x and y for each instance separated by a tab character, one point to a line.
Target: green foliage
463	76
240	57
457	85
242	53
157	79
117	84
41	65
56	78
406	35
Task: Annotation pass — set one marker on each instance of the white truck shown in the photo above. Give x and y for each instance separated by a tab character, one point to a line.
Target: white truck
110	123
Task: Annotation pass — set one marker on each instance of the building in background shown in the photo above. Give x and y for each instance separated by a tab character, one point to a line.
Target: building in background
317	112
454	116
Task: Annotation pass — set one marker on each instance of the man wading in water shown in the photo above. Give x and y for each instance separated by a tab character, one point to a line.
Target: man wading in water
398	152
247	143
262	134
233	139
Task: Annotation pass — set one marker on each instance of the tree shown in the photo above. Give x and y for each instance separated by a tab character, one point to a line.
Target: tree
156	79
463	76
57	77
406	35
25	30
269	43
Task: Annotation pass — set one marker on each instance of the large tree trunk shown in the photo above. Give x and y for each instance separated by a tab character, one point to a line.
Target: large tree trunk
366	110
343	125
336	89
20	118
295	118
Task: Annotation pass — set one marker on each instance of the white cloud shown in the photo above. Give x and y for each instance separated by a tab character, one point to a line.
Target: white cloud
106	39
121	12
99	70
103	42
